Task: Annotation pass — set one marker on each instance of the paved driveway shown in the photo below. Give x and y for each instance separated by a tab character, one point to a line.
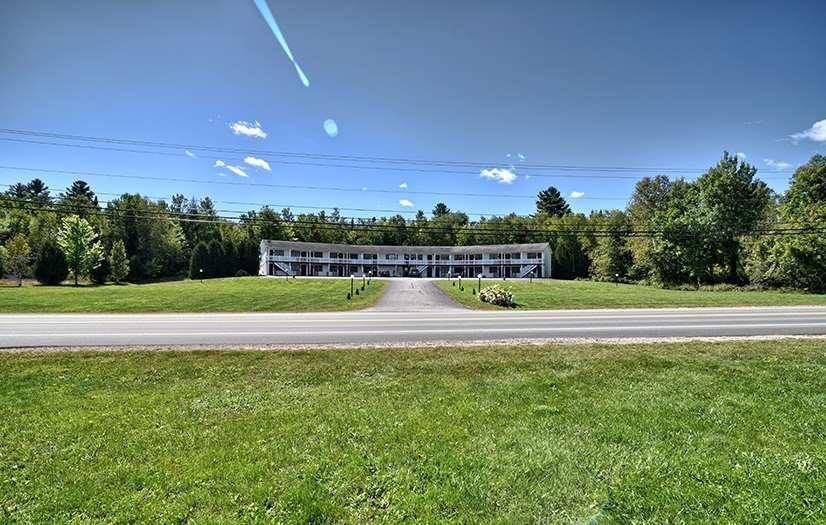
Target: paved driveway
414	295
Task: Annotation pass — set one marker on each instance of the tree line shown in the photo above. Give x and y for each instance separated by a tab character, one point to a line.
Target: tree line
727	226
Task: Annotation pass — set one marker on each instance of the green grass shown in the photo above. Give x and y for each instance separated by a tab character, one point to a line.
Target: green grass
553	294
238	294
694	432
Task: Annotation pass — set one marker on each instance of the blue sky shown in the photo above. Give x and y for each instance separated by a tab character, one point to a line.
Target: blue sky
583	83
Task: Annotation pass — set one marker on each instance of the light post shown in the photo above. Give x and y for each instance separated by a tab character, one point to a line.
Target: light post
460	283
352	280
480	281
531	279
201	273
369	276
616	279
363	280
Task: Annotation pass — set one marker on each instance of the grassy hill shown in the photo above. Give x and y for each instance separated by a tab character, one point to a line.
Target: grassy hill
555	294
237	294
694	433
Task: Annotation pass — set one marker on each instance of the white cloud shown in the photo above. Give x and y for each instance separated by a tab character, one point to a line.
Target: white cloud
776	164
521	156
406	203
753	122
221	174
403	185
189	153
238	170
258	163
364	188
502	175
248	129
577	194
816	133
740	155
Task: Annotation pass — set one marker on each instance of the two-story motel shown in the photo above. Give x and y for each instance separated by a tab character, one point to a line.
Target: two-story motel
287	258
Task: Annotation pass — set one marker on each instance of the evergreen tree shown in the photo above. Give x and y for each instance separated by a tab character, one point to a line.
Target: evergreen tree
50	266
199	262
118	262
551	202
216	259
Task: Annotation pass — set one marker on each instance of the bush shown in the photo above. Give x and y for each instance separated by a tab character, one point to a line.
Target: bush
51	267
497	295
242	273
101	273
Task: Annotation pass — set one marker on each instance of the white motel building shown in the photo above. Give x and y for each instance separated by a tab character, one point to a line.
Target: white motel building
288	258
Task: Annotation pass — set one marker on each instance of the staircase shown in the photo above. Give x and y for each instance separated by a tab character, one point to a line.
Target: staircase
422	269
282	267
527	271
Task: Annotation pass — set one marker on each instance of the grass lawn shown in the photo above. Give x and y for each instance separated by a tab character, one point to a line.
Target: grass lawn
236	294
553	294
693	432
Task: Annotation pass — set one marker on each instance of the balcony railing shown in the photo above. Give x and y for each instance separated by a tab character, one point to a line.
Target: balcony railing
401	262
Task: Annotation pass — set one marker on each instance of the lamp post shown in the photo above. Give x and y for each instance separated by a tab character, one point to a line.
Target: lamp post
201	273
352	278
460	282
616	279
480	281
363	280
369	276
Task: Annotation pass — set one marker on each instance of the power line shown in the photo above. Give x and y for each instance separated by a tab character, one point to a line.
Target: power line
615	169
478	229
352	158
292	186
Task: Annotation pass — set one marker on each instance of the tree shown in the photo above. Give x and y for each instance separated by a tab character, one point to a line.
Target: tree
18	255
551	202
79	243
80	199
797	260
440	209
50	267
199	262
118	262
216	259
731	203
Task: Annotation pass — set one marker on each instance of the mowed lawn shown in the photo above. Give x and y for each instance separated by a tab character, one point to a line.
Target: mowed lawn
693	432
553	294
237	294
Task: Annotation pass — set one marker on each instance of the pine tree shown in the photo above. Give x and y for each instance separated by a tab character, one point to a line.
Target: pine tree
199	262
50	266
550	201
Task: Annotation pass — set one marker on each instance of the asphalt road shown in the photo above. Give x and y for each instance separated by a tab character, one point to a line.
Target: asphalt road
366	327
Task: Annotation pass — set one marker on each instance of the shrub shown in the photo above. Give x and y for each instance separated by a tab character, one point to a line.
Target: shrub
497	295
242	273
51	267
100	273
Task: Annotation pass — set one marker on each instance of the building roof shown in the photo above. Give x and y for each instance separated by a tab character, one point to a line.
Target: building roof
382	249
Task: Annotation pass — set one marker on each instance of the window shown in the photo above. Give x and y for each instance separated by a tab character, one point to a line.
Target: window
494	256
276	253
516	256
317	255
295	253
354	256
371	256
391	256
